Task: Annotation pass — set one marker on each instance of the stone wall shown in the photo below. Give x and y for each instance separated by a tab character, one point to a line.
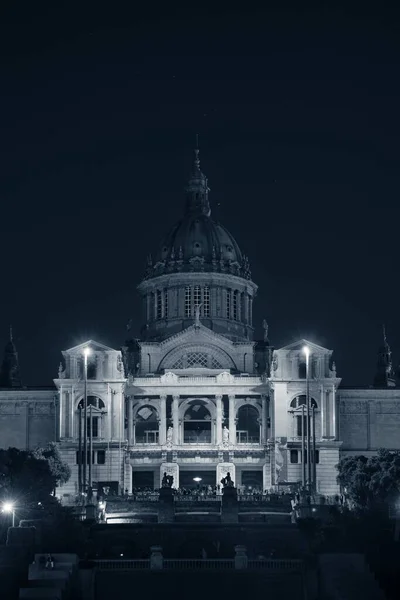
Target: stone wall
369	419
28	418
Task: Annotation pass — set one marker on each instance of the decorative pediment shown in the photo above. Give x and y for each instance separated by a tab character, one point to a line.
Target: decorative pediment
94	346
299	345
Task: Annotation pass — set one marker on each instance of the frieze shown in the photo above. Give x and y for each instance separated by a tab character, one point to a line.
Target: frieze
387	407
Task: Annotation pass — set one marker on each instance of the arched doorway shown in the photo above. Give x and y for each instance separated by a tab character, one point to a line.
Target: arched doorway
248	425
197	424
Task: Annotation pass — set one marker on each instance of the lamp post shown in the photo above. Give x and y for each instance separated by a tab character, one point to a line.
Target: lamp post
90	448
86	353
8	507
307	353
314	454
80	450
303	448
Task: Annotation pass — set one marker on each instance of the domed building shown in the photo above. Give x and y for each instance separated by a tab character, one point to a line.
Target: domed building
196	396
199	266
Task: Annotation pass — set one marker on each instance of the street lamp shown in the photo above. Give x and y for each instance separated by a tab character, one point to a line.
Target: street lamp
306	351
8	507
197	479
86	353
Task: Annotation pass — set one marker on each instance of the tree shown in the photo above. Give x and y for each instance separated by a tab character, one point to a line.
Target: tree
24	478
59	469
370	481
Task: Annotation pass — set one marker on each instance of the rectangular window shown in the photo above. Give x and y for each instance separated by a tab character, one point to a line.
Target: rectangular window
165	304
299	427
187	301
206	301
196	295
159	305
95	427
228	304
101	457
294	456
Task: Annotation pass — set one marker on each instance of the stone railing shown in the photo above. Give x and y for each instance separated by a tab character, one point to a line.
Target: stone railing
194	564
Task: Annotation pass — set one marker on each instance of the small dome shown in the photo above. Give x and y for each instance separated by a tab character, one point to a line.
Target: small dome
197	236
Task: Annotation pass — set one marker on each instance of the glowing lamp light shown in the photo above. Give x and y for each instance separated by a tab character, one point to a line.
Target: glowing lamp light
8	507
87	351
197	479
306	350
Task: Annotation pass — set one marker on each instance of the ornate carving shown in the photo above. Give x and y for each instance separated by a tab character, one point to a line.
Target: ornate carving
225	436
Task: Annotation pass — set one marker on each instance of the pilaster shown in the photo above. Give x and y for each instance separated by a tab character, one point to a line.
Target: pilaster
218	402
232	420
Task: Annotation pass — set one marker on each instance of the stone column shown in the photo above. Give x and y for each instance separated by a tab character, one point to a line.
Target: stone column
264	437
175	419
323	412
130	422
218	402
162	435
232	420
334	413
134	432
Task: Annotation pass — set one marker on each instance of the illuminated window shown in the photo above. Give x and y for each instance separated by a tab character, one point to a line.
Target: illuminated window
159	305
187	302
228	304
166	304
206	301
196	295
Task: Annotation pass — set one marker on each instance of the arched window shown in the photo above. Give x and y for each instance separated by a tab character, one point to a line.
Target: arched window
301	423
235	306
95	411
146	430
197	424
302	400
248	426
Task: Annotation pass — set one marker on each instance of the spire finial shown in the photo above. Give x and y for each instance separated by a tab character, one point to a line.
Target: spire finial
384	334
196	153
11	334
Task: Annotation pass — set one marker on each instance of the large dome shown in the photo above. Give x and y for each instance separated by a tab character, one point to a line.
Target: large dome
197	243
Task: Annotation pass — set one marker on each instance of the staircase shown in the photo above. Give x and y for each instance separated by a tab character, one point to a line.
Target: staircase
347	577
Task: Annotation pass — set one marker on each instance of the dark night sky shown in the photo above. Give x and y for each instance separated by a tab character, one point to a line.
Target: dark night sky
298	116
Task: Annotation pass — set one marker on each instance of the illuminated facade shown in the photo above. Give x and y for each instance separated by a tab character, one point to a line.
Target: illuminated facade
197	396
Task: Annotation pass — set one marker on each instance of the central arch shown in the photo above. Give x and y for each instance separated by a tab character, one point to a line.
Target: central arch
197	423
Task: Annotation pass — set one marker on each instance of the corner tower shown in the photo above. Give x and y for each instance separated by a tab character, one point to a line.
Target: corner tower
198	272
10	376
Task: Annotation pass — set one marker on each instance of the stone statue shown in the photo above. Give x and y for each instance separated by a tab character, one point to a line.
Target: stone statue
227	481
167	481
61	372
225	435
197	314
265	327
170	435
